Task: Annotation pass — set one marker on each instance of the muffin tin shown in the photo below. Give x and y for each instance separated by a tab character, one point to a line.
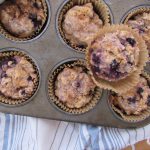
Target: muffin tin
49	51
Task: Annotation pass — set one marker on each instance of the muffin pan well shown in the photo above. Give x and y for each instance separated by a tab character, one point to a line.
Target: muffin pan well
48	50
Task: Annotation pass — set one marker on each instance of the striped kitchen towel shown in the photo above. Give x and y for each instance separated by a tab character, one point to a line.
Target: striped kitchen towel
27	133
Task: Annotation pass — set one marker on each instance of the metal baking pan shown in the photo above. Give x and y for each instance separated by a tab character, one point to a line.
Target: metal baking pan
48	50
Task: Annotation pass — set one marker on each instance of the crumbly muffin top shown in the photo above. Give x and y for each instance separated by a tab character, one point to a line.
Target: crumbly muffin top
74	87
21	17
141	23
81	24
114	55
134	101
17	77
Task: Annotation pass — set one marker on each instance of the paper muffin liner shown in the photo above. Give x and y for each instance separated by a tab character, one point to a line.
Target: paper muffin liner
60	105
9	101
99	7
136	12
11	37
122	85
133	118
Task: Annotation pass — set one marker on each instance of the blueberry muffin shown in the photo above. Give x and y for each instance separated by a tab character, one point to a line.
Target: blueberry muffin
74	87
113	56
135	101
17	77
22	18
141	23
81	24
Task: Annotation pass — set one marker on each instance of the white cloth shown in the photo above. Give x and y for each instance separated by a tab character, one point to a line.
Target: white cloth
26	133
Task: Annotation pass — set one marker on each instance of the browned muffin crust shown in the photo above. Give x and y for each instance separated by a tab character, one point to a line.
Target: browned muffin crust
74	87
141	23
21	17
17	77
135	101
113	56
81	24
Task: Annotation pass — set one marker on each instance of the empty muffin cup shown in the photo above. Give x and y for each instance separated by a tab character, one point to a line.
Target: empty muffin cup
138	19
132	110
20	77
56	79
23	21
116	75
101	13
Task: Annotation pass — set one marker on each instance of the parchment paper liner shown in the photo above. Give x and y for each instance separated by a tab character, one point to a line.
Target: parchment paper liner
99	7
11	37
10	101
134	118
136	12
54	99
125	84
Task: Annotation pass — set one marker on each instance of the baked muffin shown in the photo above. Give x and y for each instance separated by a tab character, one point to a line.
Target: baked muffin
114	55
17	77
135	101
74	87
22	18
81	24
141	23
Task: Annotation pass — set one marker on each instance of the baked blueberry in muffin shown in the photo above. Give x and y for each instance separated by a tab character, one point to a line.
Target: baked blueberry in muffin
74	87
17	77
141	23
81	24
22	18
135	101
114	55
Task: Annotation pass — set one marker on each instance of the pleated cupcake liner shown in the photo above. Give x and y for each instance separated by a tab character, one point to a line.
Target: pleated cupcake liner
11	37
122	85
10	101
133	118
62	106
136	12
99	7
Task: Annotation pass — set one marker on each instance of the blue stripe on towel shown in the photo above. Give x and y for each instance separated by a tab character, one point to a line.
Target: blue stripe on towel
94	133
6	133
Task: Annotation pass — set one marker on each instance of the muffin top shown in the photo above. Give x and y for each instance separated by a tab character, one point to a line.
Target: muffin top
134	101
22	18
81	24
114	55
17	77
141	23
74	87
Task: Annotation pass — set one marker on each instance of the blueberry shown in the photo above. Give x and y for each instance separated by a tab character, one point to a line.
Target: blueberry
29	78
148	100
96	59
132	100
23	92
91	50
140	90
3	75
34	19
78	84
141	30
114	65
129	62
131	41
96	69
36	5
